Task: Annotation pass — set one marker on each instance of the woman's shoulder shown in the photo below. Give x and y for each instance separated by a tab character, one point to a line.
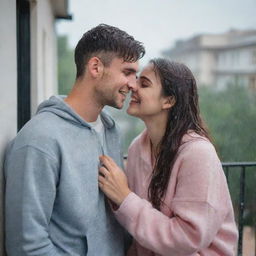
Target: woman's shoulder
195	142
140	140
198	153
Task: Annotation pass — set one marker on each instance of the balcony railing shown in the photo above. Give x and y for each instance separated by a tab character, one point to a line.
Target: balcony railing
243	167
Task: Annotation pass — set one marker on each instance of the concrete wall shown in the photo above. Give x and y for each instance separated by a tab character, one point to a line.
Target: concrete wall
8	87
43	53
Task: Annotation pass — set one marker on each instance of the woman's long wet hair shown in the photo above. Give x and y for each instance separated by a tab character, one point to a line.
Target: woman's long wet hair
179	83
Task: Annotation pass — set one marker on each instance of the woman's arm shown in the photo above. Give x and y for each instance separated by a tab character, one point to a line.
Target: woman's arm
199	205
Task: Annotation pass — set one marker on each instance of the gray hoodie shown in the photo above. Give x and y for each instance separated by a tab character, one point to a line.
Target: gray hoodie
53	204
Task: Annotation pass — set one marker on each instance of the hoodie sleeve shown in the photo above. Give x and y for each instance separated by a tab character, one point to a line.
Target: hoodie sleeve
31	180
198	208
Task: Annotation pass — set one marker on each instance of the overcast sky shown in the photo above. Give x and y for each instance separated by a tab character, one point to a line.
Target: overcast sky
159	23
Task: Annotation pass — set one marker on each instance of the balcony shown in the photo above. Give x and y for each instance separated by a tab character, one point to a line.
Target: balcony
247	233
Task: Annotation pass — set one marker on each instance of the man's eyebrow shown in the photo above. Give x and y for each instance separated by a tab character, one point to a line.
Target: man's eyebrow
145	78
131	70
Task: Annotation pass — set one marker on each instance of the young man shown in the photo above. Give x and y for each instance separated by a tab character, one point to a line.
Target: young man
53	204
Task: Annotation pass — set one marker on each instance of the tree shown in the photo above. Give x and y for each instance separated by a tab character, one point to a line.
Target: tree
231	118
66	66
230	115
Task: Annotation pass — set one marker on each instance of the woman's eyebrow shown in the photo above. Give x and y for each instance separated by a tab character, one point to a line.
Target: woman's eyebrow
145	78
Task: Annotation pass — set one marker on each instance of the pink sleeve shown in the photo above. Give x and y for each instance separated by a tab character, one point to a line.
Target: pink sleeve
198	207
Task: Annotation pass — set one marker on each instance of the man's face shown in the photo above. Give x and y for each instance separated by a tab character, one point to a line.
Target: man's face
118	78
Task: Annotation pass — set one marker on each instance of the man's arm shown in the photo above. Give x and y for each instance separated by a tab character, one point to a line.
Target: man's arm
31	180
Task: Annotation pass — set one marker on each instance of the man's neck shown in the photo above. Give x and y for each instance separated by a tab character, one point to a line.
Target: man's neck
83	102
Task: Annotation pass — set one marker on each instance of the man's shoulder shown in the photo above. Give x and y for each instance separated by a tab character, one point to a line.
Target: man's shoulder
42	123
39	130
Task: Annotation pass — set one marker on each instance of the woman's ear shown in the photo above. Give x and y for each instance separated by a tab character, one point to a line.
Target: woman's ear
95	67
169	102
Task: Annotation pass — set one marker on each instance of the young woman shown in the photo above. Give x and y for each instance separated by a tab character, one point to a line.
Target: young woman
175	199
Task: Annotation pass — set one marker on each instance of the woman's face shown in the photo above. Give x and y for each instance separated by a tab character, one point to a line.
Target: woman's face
147	100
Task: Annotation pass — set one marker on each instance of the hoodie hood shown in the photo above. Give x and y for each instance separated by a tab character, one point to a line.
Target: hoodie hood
59	107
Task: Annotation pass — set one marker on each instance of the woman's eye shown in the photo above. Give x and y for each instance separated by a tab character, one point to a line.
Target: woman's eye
143	85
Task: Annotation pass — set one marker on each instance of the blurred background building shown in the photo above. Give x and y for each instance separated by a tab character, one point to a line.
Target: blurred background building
219	59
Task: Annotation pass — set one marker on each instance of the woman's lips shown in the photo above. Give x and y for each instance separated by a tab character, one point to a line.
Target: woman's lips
134	100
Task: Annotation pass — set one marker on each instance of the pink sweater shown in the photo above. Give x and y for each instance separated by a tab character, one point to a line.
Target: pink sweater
197	218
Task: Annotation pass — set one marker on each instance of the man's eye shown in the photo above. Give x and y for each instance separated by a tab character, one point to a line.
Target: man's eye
127	73
143	85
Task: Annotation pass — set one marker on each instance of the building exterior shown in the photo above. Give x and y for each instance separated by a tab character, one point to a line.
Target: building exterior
28	66
219	59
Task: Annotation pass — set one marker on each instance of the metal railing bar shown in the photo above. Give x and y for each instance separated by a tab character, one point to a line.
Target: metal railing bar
241	211
227	173
238	164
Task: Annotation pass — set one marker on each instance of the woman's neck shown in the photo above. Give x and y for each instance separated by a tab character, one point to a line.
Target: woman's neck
156	129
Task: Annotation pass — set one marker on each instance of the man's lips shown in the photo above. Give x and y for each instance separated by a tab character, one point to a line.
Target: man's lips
124	93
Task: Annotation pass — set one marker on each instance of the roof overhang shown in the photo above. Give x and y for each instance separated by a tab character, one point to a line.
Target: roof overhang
60	9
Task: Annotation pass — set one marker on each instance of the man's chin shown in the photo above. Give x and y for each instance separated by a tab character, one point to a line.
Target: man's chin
117	106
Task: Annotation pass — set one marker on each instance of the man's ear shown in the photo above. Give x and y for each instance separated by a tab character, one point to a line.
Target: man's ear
169	102
95	67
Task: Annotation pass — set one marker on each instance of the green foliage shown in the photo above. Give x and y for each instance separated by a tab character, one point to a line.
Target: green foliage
66	66
230	115
231	118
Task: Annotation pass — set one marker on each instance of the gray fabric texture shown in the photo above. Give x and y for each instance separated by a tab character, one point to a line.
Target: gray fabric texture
53	204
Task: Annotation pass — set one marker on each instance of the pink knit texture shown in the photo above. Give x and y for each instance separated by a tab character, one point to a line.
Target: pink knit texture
197	218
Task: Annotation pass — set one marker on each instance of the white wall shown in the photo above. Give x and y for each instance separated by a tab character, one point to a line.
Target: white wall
43	53
207	65
236	65
8	87
43	71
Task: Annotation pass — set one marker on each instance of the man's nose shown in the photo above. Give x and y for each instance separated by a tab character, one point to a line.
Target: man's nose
132	84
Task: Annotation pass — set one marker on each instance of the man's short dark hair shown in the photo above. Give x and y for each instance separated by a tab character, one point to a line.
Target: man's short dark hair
106	42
